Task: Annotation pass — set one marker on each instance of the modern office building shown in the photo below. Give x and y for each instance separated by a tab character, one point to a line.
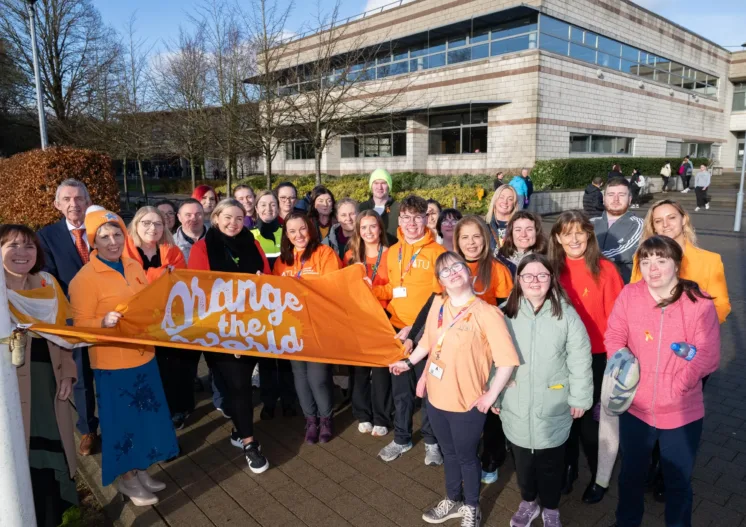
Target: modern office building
500	84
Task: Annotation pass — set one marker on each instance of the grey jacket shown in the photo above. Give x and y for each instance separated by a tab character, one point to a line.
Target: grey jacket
185	243
554	375
619	242
702	179
332	240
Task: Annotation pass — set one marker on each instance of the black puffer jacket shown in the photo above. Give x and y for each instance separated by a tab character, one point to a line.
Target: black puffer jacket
593	201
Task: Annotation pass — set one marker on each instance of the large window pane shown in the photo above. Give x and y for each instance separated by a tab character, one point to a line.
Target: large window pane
475	140
481	51
349	147
629	53
435	61
739	98
552	26
608	61
400	144
457	42
480	36
629	67
511	45
580	52
446	141
609	46
576	34
622	145
514	27
550	44
459	55
445	120
580	144
602	145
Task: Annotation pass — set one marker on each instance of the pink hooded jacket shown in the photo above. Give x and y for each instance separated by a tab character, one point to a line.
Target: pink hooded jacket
670	391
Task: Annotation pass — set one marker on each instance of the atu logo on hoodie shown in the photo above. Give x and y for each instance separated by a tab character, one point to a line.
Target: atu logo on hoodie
421	263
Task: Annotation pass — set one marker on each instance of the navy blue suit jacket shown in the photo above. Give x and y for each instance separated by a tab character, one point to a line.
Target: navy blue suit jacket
61	257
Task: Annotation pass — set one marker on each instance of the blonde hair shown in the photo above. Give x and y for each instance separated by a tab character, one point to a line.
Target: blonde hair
648	228
500	190
261	194
221	206
166	238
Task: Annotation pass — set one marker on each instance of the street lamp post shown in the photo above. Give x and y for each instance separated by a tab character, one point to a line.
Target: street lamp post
739	199
37	74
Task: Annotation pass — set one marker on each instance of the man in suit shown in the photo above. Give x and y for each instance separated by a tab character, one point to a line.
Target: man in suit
66	250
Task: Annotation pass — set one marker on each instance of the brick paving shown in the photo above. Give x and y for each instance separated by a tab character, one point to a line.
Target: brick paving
343	483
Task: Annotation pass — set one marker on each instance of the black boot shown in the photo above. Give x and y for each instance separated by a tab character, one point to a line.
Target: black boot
571	474
594	494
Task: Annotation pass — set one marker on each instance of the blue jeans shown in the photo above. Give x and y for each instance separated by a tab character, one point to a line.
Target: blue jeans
678	452
84	394
458	435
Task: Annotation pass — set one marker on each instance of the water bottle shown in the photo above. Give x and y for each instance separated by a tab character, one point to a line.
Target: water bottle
684	350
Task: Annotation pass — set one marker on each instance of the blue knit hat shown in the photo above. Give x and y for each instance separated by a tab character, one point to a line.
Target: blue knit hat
621	378
380	173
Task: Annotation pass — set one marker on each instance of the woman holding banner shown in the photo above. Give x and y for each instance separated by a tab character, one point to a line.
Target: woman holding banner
303	257
464	336
372	404
229	247
136	429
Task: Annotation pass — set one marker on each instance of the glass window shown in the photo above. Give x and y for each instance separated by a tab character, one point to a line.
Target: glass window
418	50
447	141
609	46
576	34
437	46
660	76
435	61
299	150
629	67
600	144
459	55
590	39
401	54
622	145
515	27
677	69
581	52
662	64
456	42
550	44
580	144
400	144
554	27
608	61
475	140
511	45
481	51
349	147
675	80
480	36
445	119
380	139
453	134
384	59
629	53
739	97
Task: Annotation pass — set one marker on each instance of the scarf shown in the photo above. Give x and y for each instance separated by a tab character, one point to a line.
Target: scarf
267	230
233	254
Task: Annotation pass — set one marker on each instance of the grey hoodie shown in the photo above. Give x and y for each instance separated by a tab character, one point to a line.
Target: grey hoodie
702	179
619	242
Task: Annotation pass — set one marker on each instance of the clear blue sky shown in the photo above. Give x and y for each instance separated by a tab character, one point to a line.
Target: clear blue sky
722	21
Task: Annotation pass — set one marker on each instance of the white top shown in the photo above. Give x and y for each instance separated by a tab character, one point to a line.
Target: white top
379	209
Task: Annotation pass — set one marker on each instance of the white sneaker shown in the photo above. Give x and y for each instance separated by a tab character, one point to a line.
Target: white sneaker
433	455
365	428
707	206
393	450
379	431
696	209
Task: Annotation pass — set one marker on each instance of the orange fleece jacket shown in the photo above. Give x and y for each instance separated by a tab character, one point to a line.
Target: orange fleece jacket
501	286
95	291
421	280
170	255
323	261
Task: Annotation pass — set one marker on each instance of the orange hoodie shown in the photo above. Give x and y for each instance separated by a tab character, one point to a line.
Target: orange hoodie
421	280
381	284
95	291
501	286
170	255
323	261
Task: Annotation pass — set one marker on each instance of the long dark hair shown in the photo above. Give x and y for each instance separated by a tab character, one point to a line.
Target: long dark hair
286	246
485	260
508	248
665	247
556	293
356	243
313	214
564	223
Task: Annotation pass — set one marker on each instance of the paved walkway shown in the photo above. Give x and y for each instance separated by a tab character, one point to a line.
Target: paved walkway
343	483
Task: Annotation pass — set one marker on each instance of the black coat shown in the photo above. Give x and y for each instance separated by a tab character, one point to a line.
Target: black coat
593	201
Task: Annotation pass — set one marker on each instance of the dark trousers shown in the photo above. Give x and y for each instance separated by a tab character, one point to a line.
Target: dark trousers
493	442
84	394
403	388
236	374
371	395
585	430
665	182
539	474
702	198
276	382
685	181
314	386
458	435
635	194
678	451
176	367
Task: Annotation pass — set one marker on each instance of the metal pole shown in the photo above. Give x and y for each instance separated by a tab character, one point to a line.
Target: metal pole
16	496
739	201
37	75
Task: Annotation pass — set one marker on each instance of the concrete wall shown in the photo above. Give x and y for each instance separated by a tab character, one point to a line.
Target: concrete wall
738	66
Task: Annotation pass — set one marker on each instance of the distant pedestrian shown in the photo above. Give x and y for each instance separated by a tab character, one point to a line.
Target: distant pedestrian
498	181
685	171
701	184
616	171
666	175
636	184
593	198
520	185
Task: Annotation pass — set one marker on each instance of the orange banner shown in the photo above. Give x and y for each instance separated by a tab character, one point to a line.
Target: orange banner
333	319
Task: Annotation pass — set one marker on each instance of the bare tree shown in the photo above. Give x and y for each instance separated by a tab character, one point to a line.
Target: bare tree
180	86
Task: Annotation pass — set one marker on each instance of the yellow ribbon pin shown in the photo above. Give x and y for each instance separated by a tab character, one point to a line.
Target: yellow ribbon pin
648	336
585	293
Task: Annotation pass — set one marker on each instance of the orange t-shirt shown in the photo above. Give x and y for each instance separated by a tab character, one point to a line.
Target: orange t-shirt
323	261
500	287
381	286
479	339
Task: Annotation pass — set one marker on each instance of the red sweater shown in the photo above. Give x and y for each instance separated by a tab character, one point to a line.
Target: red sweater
592	299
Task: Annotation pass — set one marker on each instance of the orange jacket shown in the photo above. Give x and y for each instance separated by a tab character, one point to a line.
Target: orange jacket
170	255
323	261
95	291
705	268
381	285
501	286
421	280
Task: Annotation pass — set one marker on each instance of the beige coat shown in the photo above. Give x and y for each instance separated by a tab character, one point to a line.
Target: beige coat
64	367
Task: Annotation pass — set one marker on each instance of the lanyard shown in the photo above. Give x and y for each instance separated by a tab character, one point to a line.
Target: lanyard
302	263
409	265
457	318
378	262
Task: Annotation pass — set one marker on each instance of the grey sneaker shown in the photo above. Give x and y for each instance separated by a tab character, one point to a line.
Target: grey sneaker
471	516
433	455
393	450
551	518
527	512
443	511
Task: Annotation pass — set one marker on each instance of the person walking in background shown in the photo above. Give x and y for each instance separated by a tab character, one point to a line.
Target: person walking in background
169	210
501	209
618	231
136	427
648	317
592	283
520	186
229	247
66	251
287	197
685	171
245	195
498	181
342	231
381	201
636	184
593	198
463	338
552	387
208	198
701	184
45	380
372	404
303	257
445	227
616	171
665	175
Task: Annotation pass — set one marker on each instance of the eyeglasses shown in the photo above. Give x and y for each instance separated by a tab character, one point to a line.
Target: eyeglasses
449	222
149	224
543	278
409	219
448	271
284	198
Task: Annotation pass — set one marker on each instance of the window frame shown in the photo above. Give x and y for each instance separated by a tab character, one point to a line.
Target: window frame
360	141
299	148
465	132
590	144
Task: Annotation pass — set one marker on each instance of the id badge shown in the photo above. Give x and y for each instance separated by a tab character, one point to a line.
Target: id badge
400	292
436	370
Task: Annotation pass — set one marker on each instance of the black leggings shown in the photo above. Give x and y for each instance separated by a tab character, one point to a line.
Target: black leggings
539	474
236	373
176	367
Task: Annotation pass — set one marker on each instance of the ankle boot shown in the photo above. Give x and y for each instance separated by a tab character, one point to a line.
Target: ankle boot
133	489
326	430
312	430
150	484
571	474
